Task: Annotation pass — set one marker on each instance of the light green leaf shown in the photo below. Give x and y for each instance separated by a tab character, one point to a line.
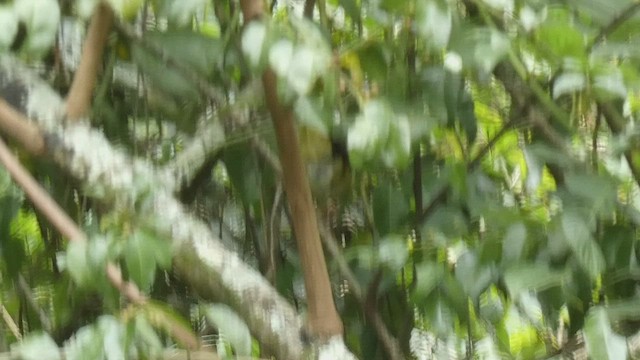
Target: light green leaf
235	330
140	259
602	343
36	346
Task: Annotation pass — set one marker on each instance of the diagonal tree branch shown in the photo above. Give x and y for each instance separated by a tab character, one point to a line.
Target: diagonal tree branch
212	270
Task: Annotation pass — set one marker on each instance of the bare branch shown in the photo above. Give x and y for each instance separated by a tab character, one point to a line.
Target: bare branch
84	81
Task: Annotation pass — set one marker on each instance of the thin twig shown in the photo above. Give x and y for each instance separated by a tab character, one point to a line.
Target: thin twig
13	327
373	316
615	23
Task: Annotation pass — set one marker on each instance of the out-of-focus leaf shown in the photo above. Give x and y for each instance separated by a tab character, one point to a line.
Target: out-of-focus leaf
585	249
602	342
180	12
196	52
393	252
558	35
37	346
42	18
480	48
113	332
514	243
535	277
474	276
139	256
235	330
253	42
567	83
434	22
428	274
167	320
241	165
390	208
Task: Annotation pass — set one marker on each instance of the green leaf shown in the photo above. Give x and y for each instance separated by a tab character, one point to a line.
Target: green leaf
390	208
113	332
180	12
560	37
434	22
474	276
235	330
77	264
242	168
536	277
514	242
585	249
140	259
311	114
42	19
147	338
567	83
428	274
602	343
253	43
393	252
36	346
198	53
9	22
610	84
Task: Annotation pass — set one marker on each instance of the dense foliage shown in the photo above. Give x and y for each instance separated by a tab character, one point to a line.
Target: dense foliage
474	165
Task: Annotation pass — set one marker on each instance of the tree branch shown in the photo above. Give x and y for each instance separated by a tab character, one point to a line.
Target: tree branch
200	258
615	23
323	318
84	81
